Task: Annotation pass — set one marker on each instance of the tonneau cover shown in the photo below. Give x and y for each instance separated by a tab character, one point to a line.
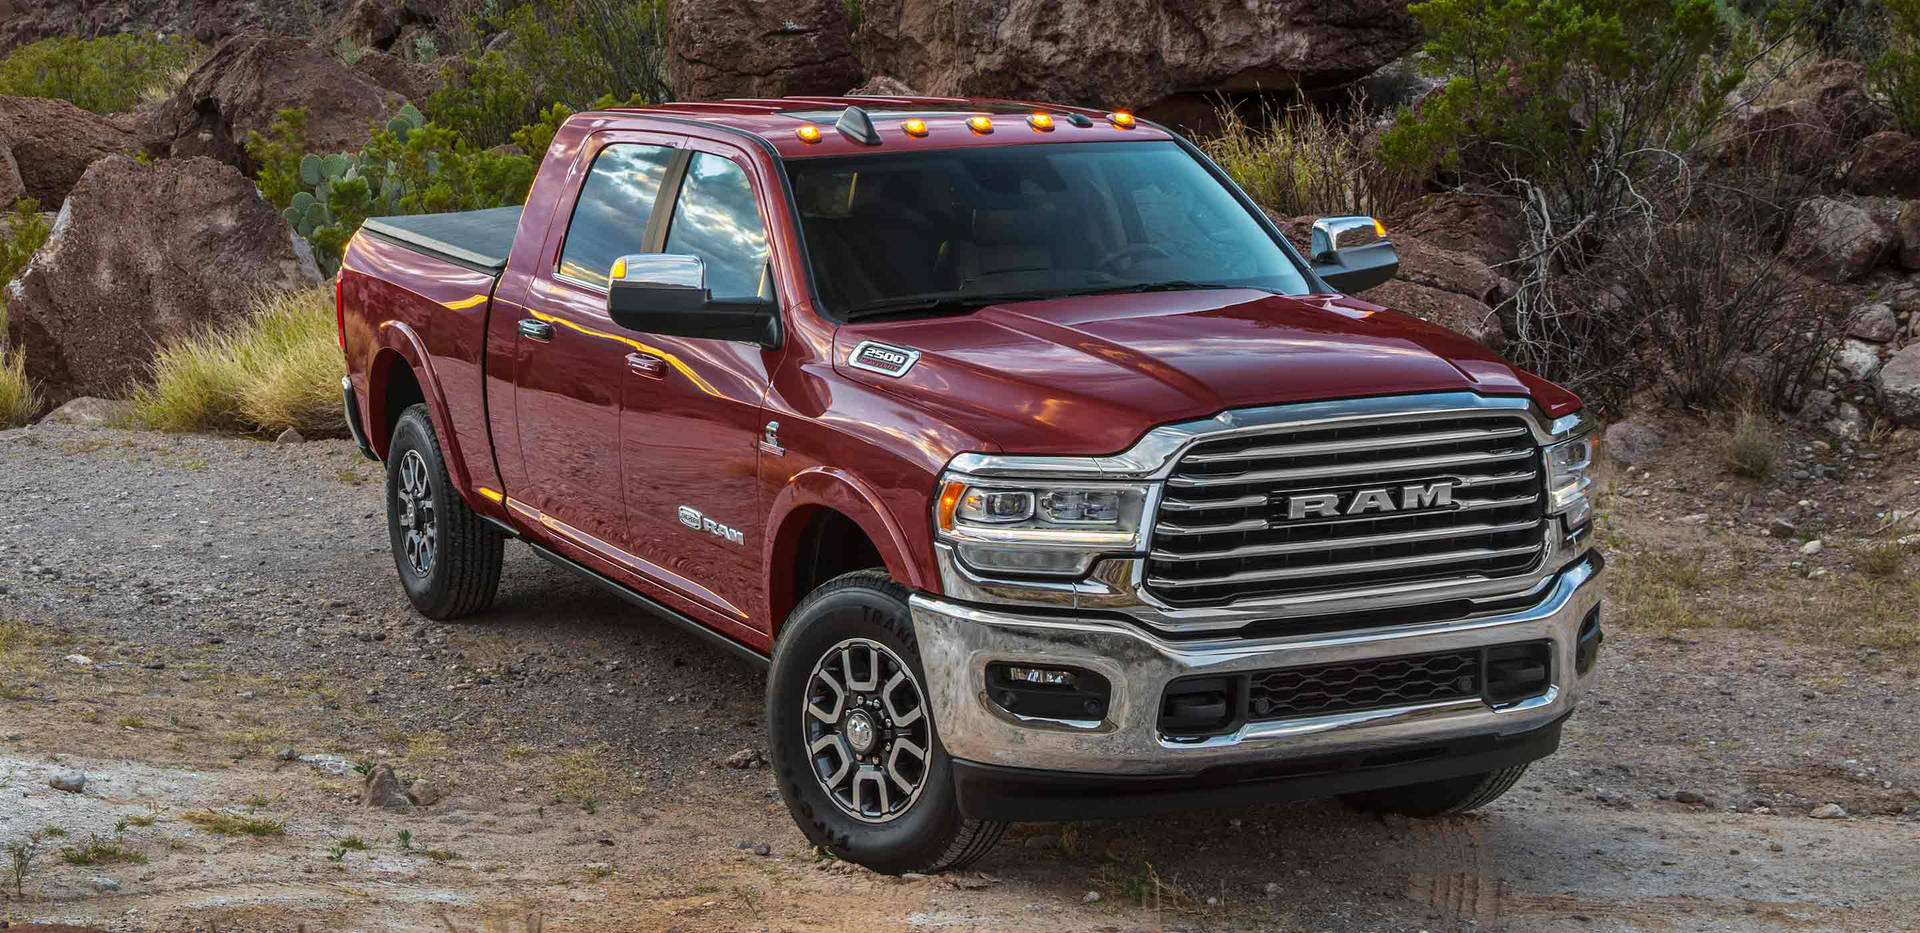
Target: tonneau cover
479	239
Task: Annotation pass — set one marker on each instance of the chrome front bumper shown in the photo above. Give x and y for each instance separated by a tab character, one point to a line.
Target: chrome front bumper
957	642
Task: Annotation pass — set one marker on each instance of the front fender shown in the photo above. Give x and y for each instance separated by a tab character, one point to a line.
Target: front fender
824	487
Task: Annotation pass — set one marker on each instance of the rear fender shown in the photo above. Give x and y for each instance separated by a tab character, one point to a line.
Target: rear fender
401	346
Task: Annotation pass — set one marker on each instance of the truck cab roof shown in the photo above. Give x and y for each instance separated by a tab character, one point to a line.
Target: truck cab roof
943	122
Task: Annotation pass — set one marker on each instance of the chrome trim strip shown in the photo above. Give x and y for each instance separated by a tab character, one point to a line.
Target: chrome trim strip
1442	462
1358	566
1322	448
1341	544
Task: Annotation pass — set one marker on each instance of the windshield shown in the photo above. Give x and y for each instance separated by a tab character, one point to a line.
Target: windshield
952	230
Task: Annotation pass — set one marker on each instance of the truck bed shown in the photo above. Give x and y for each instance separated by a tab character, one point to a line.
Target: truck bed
479	240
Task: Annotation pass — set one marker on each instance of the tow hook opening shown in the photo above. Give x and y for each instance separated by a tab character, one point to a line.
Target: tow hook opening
1587	647
1049	691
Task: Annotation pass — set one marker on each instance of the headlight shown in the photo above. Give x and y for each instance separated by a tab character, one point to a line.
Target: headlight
1569	473
1040	527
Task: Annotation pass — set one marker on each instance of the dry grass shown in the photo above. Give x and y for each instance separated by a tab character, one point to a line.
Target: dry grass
98	851
19	401
228	824
1303	161
1883	559
1665	593
1751	447
280	370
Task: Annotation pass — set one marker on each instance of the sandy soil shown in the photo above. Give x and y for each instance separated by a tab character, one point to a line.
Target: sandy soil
243	646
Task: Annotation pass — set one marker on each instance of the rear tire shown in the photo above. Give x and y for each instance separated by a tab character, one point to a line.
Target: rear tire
1438	798
448	557
846	712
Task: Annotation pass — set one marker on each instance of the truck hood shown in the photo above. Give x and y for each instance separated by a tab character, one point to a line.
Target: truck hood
1091	374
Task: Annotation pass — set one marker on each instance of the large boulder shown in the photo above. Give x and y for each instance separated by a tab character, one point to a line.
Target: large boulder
1488	228
1886	163
206	21
746	48
246	80
385	25
51	143
1839	241
1805	121
1907	227
1898	384
1159	56
141	254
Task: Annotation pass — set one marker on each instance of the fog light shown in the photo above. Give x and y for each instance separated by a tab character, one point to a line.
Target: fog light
1041	675
1068	694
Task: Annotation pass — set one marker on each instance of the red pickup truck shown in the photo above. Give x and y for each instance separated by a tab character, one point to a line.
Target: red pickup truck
1049	480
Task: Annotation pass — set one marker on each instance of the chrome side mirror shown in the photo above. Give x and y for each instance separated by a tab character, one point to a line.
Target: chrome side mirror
1352	253
667	294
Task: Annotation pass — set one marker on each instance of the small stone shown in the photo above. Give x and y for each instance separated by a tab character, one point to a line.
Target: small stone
1690	797
743	759
287	754
425	793
762	849
1090	897
1829	811
1776	847
79	660
1272	888
103	884
72	782
1781	528
1042	841
384	790
1875	322
1813	547
289	436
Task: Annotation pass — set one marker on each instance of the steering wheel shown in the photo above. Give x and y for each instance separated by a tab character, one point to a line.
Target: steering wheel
1133	252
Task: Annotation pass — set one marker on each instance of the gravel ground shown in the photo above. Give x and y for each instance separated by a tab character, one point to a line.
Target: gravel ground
211	626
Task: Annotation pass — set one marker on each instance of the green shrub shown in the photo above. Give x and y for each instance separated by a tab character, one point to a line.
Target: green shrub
1752	447
570	53
105	75
1894	77
277	152
20	236
1582	98
279	370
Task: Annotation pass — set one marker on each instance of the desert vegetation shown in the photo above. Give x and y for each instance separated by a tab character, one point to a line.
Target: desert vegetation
279	369
107	74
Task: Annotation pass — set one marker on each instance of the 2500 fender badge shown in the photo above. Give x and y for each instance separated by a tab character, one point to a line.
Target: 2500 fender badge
692	518
882	358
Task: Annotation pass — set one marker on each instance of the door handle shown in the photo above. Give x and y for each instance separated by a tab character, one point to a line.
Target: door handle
536	329
646	364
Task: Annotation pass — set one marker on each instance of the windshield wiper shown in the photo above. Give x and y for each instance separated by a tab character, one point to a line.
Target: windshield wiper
1173	286
911	304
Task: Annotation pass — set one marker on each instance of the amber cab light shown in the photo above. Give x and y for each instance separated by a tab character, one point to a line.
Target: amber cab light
980	123
808	133
914	127
1121	118
1040	121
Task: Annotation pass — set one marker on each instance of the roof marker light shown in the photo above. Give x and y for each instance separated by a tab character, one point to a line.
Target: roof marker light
1041	121
808	133
980	123
914	127
1121	118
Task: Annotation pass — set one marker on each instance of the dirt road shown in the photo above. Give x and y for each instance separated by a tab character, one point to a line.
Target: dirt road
210	631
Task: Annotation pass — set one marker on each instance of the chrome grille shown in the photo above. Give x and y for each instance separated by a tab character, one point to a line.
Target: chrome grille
1222	534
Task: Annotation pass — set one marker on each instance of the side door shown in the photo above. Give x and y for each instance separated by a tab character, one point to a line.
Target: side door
572	368
692	419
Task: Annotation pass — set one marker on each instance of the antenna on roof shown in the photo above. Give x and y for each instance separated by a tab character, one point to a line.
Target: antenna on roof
854	124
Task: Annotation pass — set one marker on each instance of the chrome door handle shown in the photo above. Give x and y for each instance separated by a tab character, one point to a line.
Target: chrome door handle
646	364
536	329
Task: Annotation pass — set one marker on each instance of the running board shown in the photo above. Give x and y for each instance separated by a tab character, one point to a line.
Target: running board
667	612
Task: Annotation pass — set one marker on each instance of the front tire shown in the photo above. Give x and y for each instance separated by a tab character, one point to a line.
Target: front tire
852	738
448	556
1438	798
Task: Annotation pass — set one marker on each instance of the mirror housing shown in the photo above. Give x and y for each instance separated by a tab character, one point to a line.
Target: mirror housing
1352	253
666	294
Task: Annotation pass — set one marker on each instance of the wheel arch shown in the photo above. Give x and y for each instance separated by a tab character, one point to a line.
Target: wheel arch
826	523
400	375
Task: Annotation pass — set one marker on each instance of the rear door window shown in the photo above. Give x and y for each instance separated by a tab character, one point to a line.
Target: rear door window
610	219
